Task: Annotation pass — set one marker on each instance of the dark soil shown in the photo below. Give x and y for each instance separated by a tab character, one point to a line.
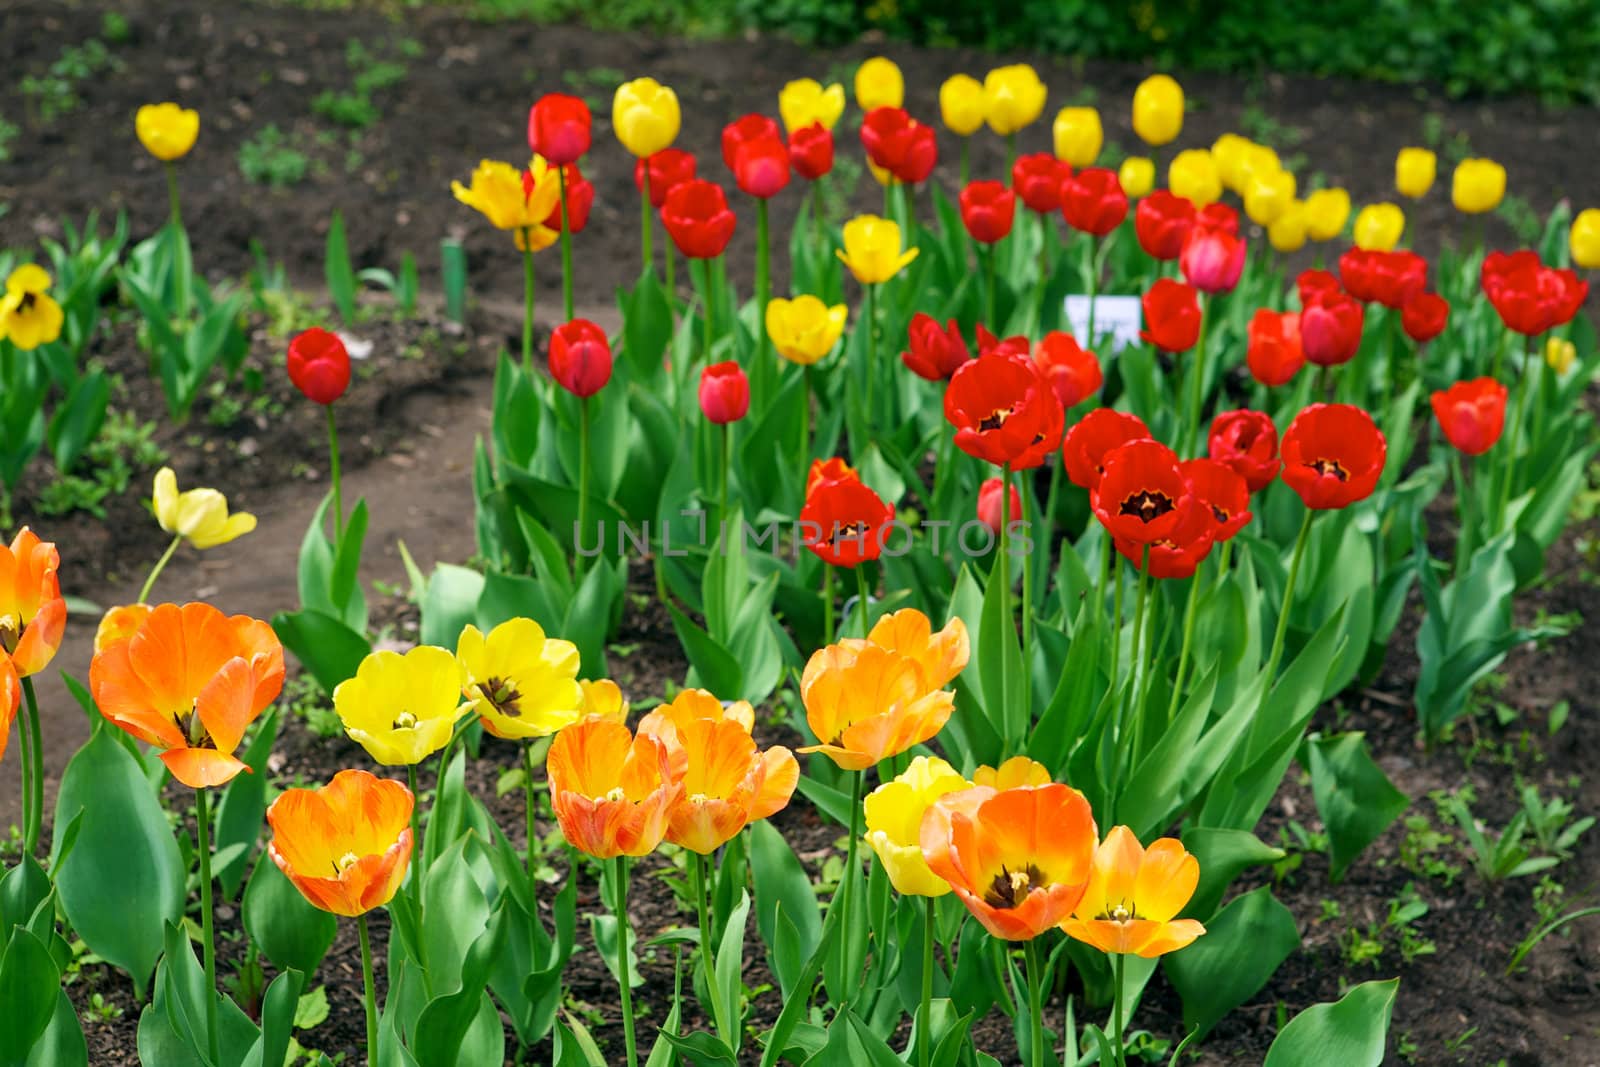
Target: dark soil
465	96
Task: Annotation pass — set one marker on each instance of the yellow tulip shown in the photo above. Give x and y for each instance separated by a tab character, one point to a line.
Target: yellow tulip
1379	226
1013	97
961	104
167	131
804	329
1414	169
872	249
1559	354
1327	210
1192	174
1014	773
1078	135
1137	176
402	708
29	315
498	193
603	699
1228	152
879	83
645	116
1255	159
1268	196
805	101
894	813
1478	186
521	684
1158	110
199	516
1584	240
1287	232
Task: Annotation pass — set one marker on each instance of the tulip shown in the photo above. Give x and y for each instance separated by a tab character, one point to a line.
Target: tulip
727	784
989	504
1134	896
1560	354
1192	174
1247	441
1072	371
761	167
844	522
402	708
1140	493
1137	176
1471	414
1078	136
1477	186
558	128
695	705
1037	180
935	353
879	84
750	128
724	393
987	210
514	200
612	791
898	144
645	116
1223	492
33	615
1333	455
357	826
664	171
1161	222
1004	412
962	105
29	315
1529	296
989	345
520	684
804	102
1171	315
894	814
1330	329
1212	258
1228	152
1288	232
697	219
1423	316
1313	285
1327	210
804	329
580	199
868	703
1013	97
580	357
872	249
909	632
167	131
1158	110
1093	202
1268	196
1389	278
1012	774
1379	226
199	516
319	365
1095	436
1584	240
1414	169
811	152
1274	354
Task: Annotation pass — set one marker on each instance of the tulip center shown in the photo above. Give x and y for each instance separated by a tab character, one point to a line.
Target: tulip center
193	730
614	795
503	694
26	304
345	862
405	721
1010	888
10	633
847	531
1222	514
1146	505
1326	467
1121	912
995	419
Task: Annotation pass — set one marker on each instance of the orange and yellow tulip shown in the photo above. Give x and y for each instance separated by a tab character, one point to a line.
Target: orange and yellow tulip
189	680
693	705
10	699
345	846
727	783
33	614
611	791
894	814
1134	894
1019	859
942	655
867	703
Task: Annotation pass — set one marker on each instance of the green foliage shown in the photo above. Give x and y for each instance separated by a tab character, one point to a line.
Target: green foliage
353	107
55	93
268	158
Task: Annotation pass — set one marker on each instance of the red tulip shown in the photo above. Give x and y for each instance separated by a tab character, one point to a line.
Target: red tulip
1072	371
1179	554
580	199
1003	412
580	357
1424	316
1212	258
741	132
1274	354
1313	284
844	522
811	151
1037	180
1529	296
1093	201
669	168
1330	329
319	366
1333	455
1218	216
1092	437
829	470
990	345
1162	221
899	143
1247	441
987	210
1389	278
1472	414
697	218
935	353
1223	490
761	167
1141	492
558	128
989	504
1171	316
724	392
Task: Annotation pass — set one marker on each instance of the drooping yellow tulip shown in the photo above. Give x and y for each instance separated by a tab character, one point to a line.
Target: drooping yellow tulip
645	116
1379	226
511	201
872	249
1192	174
879	83
1078	135
199	516
402	708
962	104
1013	97
805	101
167	131
804	329
894	813
1327	210
1477	186
1158	110
29	315
1414	169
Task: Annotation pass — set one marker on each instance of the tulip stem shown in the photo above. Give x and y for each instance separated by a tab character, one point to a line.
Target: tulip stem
816	213
646	224
966	160
1276	655
583	479
27	786
700	886
1197	374
672	278
805	419
416	820
1132	710
566	247
1094	289
863	600
1116	616
527	303
722	497
1025	607
33	750
1183	651
851	872
924	1036
1464	538
1037	1051
161	565
1508	460
202	816
827	603
988	289
872	344
371	986
172	196
1000	572
1118	962
621	870
763	281
333	476
528	807
1011	152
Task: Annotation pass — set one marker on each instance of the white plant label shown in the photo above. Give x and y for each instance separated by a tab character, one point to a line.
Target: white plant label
1117	319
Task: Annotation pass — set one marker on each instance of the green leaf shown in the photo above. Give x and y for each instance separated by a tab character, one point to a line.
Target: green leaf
340	276
61	1044
279	1013
714	667
244	806
781	881
1351	1032
327	648
730	965
1242	946
449	604
1354	798
29	982
282	923
1223	854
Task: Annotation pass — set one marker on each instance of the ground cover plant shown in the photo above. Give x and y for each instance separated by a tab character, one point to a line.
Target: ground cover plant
929	637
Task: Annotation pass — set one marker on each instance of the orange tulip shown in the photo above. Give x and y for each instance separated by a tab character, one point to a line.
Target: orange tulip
1133	895
867	703
611	791
691	705
346	846
32	613
10	698
727	784
1019	859
943	655
188	680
